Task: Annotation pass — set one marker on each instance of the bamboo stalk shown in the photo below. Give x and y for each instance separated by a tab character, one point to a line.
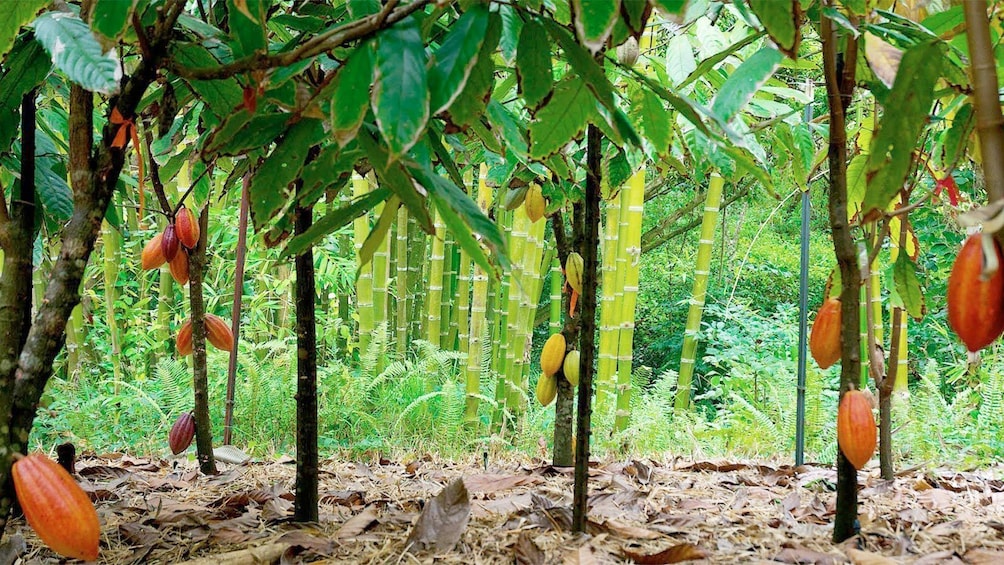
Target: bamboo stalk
448	322
697	296
517	245
416	282
606	365
364	284
111	242
434	295
634	201
557	281
478	321
381	266
402	282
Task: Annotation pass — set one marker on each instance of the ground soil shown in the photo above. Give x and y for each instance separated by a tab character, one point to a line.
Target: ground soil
163	511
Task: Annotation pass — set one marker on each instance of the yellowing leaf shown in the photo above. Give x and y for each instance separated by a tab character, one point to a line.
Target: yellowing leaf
883	58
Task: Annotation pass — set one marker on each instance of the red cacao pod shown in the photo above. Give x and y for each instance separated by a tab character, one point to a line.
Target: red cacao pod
153	253
976	306
218	333
169	243
825	342
183	343
179	267
186	226
856	431
56	507
182	433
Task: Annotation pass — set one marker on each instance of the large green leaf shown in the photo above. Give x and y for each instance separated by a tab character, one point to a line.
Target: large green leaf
270	186
742	84
247	25
504	122
221	96
456	57
334	220
781	19
533	64
857	184
594	19
26	68
332	166
680	61
242	132
908	286
891	154
710	63
393	176
584	64
655	121
562	119
470	105
110	18
512	28
17	14
76	52
351	95
401	92
672	7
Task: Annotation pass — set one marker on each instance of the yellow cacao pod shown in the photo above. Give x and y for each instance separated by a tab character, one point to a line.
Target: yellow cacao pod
547	389
573	271
571	367
534	203
553	354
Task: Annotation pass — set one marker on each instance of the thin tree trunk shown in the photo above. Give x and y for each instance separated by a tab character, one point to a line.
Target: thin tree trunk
203	424
306	378
564	404
235	322
985	97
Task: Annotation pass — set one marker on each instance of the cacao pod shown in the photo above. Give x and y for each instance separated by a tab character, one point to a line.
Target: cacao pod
153	254
183	343
547	389
218	333
169	243
179	267
571	367
553	354
182	433
534	203
856	431
976	306
56	507
825	341
573	271
186	227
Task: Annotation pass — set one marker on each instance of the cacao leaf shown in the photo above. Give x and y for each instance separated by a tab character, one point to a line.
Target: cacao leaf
270	184
469	106
16	15
594	21
562	119
76	52
908	286
533	64
456	57
351	94
782	20
25	68
247	25
401	93
110	18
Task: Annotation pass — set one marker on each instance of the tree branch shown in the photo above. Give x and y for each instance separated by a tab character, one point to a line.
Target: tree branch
989	121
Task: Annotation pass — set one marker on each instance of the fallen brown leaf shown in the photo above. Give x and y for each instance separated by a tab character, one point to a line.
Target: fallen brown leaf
443	520
526	551
357	524
859	557
489	483
582	556
674	554
983	556
803	556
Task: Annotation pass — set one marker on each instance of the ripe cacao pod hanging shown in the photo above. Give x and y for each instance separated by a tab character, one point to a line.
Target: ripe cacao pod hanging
825	342
56	507
153	253
571	367
182	433
534	203
547	389
553	354
976	306
169	243
179	267
183	343
856	431
573	271
186	226
218	333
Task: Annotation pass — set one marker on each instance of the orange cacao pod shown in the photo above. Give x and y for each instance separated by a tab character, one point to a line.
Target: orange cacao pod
218	333
179	267
183	343
856	428
976	306
824	339
169	242
186	226
182	433
153	253
56	507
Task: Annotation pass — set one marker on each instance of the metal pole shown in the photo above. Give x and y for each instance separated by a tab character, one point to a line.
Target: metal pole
803	311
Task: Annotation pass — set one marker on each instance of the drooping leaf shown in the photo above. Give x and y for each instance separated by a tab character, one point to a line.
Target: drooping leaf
512	27
334	220
456	57
17	14
594	20
351	94
584	64
379	231
891	154
242	132
655	121
562	118
393	176
883	58
247	25
507	124
110	18
76	52
742	84
857	184
470	105
270	185
328	168
533	64
221	96
908	286
26	68
782	20
680	61
400	92
954	141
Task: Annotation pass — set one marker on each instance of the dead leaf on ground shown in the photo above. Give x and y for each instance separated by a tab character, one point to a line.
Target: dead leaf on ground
527	552
582	556
103	472
489	483
859	557
443	520
983	556
357	524
803	556
674	554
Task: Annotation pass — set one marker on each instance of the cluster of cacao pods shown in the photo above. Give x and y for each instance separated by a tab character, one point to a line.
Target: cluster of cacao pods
976	292
56	507
182	433
171	245
551	358
825	341
856	431
217	332
534	203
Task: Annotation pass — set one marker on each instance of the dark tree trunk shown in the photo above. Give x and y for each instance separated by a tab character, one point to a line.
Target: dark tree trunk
564	406
306	377
235	323
203	425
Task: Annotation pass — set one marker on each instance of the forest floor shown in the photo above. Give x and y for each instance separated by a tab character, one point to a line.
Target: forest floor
157	511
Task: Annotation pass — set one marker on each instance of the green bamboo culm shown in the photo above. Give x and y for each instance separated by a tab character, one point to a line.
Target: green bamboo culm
708	222
381	269
478	320
434	295
112	242
518	245
364	283
606	363
401	282
633	202
449	324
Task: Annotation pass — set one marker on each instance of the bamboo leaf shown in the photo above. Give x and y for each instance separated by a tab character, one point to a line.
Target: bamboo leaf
401	92
16	15
594	20
334	220
711	62
456	57
742	84
533	64
76	52
351	94
781	19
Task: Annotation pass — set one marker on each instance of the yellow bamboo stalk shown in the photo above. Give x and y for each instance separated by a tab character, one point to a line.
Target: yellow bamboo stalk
364	284
435	284
634	201
111	241
401	283
606	364
479	308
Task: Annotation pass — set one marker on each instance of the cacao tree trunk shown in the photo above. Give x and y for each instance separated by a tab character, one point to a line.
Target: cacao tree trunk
235	323
203	424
